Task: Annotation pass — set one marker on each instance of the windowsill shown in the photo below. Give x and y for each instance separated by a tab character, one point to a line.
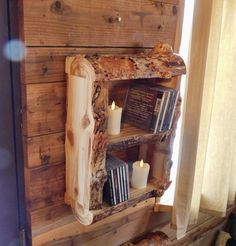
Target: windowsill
206	224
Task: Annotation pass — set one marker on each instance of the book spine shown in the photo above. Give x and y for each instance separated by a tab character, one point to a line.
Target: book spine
127	179
168	112
159	111
118	184
113	187
125	183
122	183
162	111
110	189
173	111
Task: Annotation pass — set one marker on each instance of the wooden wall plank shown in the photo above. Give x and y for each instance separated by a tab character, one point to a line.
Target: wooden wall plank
46	186
48	64
45	110
46	149
138	218
90	23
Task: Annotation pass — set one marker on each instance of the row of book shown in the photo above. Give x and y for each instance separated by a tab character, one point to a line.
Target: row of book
116	188
163	114
150	107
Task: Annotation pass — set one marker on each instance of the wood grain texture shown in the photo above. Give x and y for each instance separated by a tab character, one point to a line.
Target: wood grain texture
118	228
44	111
86	138
89	23
131	136
46	186
158	64
136	196
46	149
44	65
49	148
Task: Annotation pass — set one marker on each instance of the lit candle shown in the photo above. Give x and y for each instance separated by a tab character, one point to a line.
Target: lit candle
140	174
114	119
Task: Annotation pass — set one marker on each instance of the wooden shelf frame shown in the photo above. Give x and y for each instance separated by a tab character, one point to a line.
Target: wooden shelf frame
136	196
131	136
86	128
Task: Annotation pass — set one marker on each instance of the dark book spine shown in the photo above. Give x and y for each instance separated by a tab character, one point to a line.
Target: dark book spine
110	190
116	195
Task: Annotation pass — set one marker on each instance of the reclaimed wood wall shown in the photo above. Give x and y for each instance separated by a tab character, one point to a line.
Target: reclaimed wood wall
53	29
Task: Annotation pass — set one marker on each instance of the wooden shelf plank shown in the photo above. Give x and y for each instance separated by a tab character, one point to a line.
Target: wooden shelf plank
136	196
163	208
131	136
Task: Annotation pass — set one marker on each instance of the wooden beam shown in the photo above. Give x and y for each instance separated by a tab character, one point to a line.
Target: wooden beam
159	64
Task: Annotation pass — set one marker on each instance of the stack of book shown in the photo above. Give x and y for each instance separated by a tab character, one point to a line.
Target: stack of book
116	188
150	107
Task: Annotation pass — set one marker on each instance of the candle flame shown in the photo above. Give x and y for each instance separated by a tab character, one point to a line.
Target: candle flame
141	163
113	105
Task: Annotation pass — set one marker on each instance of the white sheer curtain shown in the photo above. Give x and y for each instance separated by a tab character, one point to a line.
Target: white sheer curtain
207	169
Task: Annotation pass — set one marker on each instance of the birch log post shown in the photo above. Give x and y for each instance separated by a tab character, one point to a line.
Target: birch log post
85	139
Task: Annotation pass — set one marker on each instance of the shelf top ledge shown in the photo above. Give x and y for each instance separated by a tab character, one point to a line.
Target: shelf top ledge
161	62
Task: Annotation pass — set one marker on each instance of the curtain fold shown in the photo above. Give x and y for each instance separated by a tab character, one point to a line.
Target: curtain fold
208	147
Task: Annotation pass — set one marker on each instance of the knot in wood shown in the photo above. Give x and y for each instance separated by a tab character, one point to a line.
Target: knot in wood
174	10
85	121
60	8
112	19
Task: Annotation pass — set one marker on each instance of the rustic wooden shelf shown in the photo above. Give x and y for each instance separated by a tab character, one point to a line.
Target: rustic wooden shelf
131	136
86	126
136	196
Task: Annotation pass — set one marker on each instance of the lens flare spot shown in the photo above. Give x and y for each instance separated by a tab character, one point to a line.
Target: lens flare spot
15	50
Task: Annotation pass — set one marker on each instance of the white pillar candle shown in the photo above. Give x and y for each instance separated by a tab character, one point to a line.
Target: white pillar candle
140	174
114	119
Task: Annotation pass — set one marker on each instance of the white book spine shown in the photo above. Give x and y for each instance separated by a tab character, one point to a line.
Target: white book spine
113	187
